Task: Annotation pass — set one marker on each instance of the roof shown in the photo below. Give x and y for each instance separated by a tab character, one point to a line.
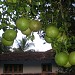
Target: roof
27	55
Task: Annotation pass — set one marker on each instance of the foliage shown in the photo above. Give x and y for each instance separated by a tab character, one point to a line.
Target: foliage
59	13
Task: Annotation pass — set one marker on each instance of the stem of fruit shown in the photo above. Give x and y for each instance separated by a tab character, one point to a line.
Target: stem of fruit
61	9
55	47
63	18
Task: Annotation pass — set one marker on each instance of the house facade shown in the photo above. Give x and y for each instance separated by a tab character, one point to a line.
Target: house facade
28	63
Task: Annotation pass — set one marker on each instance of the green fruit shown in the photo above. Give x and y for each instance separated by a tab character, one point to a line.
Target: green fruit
67	65
10	1
27	32
61	58
22	23
52	31
72	58
14	1
6	43
35	25
9	34
29	1
47	39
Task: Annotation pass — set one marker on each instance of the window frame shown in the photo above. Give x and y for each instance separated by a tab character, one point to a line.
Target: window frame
12	68
46	67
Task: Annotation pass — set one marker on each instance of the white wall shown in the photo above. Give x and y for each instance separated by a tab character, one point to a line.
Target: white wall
1	68
54	68
32	69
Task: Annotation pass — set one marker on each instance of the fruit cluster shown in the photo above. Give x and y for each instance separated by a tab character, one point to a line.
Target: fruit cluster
25	26
64	59
50	33
8	37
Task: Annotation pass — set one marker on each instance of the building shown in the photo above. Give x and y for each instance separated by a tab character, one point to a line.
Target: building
28	63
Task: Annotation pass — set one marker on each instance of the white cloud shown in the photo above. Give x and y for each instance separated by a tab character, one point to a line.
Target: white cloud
39	44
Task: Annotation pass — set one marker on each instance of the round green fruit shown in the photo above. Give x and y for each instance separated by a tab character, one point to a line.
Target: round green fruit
72	58
6	43
22	24
35	25
47	39
27	32
9	34
61	58
52	31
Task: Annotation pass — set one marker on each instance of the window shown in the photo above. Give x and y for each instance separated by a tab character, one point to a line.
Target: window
47	67
13	68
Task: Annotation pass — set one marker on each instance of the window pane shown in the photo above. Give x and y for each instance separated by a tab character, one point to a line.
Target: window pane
43	67
15	68
49	67
5	68
10	68
20	68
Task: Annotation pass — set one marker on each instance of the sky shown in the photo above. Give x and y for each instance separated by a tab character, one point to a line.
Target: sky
38	43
